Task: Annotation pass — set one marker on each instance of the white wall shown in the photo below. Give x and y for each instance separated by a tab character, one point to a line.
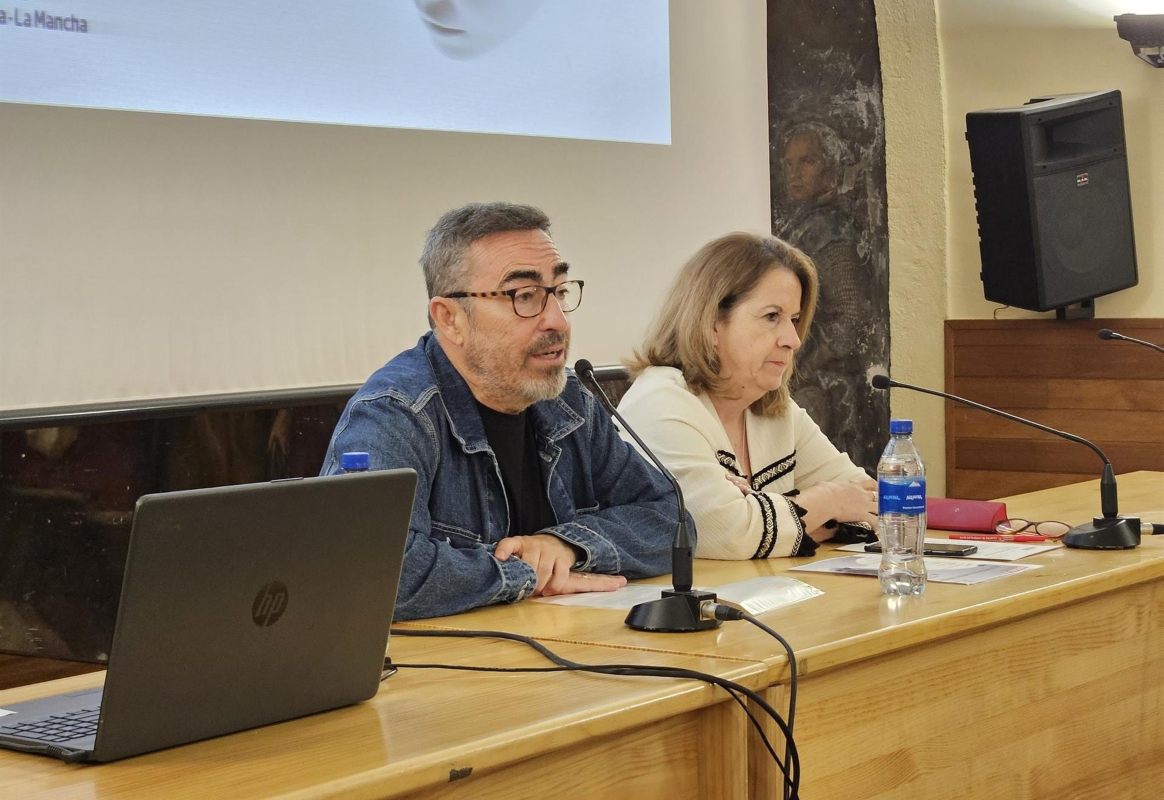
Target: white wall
915	158
150	256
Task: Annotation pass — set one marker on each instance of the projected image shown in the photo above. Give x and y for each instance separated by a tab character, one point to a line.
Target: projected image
466	28
593	70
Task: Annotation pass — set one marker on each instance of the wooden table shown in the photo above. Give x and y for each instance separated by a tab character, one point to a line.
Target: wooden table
1041	685
439	733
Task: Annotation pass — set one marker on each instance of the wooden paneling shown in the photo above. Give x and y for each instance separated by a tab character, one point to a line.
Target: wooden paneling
660	760
1077	360
1107	424
1075	393
59	602
980	484
23	670
1058	373
1051	706
984	454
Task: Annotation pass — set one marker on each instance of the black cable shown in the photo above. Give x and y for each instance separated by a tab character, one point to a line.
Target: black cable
791	681
611	669
726	612
627	670
789	767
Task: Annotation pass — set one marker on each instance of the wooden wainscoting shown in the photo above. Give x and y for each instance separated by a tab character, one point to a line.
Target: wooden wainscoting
65	518
1061	374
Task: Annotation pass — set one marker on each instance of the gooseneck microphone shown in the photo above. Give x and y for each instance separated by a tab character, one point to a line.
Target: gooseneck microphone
1107	532
679	609
1110	335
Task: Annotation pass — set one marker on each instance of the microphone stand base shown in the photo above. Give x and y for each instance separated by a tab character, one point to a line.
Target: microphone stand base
1105	533
674	612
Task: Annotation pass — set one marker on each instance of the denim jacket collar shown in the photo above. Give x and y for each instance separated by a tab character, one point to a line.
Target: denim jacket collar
553	419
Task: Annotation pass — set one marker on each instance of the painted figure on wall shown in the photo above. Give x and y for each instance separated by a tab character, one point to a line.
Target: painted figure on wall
828	198
846	340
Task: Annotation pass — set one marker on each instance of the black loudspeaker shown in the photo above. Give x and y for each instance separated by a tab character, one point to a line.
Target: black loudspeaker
1051	192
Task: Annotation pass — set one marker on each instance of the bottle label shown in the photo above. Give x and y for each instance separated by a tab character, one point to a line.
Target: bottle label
901	496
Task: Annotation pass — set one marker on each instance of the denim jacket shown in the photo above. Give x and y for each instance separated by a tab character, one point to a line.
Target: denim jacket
417	411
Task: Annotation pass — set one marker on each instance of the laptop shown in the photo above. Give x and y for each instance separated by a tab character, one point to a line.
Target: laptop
240	606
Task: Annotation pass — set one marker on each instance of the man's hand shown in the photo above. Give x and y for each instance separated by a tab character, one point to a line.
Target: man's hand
578	582
551	559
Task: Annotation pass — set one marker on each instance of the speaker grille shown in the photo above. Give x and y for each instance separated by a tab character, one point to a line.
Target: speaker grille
1083	220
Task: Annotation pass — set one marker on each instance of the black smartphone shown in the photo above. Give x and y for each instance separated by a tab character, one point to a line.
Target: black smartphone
934	549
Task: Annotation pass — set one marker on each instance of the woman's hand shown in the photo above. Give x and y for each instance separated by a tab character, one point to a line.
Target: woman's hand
740	483
844	502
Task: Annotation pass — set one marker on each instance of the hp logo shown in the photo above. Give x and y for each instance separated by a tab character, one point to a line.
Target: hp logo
269	605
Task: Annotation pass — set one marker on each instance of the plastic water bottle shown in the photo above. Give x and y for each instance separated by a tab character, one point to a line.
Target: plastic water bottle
901	521
354	462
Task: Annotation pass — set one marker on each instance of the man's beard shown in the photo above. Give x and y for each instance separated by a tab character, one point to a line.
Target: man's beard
493	369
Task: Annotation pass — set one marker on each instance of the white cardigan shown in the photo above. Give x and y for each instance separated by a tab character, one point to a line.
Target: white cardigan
787	452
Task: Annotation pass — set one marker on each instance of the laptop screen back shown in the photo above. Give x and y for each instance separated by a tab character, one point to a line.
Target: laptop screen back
247	605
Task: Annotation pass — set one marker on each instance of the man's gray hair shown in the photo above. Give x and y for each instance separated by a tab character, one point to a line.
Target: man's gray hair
443	258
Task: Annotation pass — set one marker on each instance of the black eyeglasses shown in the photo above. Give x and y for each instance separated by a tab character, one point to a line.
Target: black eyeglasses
530	301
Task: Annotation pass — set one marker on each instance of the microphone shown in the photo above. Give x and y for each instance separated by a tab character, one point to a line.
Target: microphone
1110	335
679	609
1108	532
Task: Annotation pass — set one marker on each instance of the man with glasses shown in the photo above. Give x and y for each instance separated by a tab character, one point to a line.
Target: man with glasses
524	486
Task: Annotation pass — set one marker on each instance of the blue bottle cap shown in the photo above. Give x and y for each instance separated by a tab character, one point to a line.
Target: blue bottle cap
900	426
355	462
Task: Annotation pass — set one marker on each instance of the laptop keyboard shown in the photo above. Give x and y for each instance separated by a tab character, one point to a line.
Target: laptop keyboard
58	727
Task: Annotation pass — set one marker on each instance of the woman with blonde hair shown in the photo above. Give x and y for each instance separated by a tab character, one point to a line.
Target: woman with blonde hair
711	399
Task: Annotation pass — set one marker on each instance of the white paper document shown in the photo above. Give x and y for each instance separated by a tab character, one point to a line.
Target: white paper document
754	595
987	551
939	570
